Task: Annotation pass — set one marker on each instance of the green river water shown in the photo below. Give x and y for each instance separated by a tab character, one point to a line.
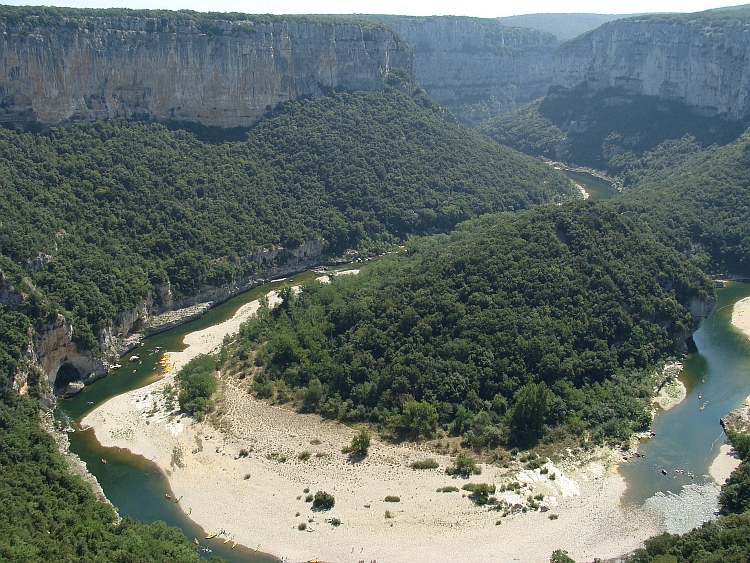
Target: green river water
594	186
687	438
132	483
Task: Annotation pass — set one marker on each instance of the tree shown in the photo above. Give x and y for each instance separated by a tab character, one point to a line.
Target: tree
530	411
312	395
419	418
464	466
361	442
560	556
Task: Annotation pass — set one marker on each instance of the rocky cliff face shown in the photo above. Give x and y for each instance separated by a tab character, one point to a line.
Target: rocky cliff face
477	68
699	60
122	67
52	346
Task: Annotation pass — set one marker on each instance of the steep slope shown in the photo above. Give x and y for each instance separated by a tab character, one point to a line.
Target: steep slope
476	67
563	26
696	199
127	217
604	128
699	59
221	69
542	317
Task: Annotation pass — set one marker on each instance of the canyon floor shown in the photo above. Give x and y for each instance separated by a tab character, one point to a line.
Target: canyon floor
248	473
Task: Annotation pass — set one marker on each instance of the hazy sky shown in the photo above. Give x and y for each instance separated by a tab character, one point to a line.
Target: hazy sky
407	7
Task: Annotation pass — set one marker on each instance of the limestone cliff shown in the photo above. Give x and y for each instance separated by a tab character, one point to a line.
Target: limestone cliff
52	348
107	65
476	67
700	59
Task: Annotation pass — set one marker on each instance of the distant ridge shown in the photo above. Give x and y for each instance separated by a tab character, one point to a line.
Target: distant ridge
562	26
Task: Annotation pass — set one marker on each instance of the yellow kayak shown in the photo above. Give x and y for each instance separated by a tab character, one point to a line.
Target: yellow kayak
209	536
234	545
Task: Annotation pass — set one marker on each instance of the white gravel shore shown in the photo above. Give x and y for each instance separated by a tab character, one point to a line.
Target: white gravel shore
259	499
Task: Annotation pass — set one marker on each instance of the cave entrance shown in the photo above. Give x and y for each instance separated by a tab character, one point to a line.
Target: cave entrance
66	374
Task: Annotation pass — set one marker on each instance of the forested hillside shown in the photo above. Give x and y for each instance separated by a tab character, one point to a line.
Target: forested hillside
587	128
697	200
47	514
98	213
512	326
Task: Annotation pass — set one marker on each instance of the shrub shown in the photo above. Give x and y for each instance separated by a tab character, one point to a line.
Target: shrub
309	498
391	498
480	492
247	476
447	490
361	442
428	463
304	456
323	501
302	526
553	516
335	522
388	514
560	556
244	452
464	466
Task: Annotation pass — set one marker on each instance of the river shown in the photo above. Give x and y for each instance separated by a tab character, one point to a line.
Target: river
595	187
687	438
132	483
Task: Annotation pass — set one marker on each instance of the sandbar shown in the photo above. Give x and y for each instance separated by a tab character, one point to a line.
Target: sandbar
243	473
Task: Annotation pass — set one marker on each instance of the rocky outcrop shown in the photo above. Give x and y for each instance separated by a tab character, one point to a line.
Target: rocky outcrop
738	420
476	67
227	74
699	59
53	347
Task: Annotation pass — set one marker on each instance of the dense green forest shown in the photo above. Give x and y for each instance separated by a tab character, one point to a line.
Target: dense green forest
513	326
697	200
118	207
47	514
595	126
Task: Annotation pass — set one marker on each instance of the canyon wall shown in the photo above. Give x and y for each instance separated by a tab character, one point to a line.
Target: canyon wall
476	67
700	59
228	75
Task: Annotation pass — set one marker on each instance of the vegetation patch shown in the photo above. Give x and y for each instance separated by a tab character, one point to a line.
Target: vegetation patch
428	463
323	501
448	489
197	383
464	466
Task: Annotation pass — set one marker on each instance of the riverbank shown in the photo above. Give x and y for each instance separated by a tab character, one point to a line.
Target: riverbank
727	460
247	472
